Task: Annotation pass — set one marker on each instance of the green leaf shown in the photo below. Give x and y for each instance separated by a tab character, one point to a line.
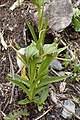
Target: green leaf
40	107
76	66
19	3
44	96
18	83
42	36
51	80
23	112
76	23
49	48
58	51
76	100
23	102
38	90
20	79
66	63
31	51
32	70
8	118
44	65
31	30
17	46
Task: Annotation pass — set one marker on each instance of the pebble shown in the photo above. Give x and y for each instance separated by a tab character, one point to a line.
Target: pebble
56	65
59	13
70	106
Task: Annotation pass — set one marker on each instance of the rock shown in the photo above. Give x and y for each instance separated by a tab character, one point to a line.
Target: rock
62	87
55	64
59	14
77	3
78	111
68	104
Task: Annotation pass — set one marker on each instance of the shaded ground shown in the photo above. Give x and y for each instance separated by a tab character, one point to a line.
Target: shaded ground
13	26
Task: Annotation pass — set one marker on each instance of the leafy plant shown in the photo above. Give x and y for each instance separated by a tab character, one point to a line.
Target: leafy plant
75	64
66	63
76	70
16	114
76	19
36	59
35	84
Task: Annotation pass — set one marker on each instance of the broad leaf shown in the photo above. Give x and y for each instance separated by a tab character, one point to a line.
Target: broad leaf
31	50
49	48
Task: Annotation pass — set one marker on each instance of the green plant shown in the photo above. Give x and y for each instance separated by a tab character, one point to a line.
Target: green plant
16	114
66	63
35	85
36	59
76	69
76	19
75	64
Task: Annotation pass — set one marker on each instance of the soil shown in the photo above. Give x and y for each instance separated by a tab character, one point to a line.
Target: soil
13	26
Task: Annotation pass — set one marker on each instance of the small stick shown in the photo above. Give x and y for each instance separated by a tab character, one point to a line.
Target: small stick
12	71
44	113
3	5
2	113
55	72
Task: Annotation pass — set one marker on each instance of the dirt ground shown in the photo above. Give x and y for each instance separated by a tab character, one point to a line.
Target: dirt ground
13	26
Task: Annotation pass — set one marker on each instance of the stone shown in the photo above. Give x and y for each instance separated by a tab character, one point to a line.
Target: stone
56	65
59	13
70	106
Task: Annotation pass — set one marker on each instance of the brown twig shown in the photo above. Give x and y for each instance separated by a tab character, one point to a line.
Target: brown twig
55	72
44	113
12	71
3	5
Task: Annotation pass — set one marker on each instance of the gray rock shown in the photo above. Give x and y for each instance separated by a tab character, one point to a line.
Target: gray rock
70	106
59	13
55	64
78	111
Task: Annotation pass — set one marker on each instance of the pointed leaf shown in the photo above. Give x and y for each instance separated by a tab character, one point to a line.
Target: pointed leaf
44	96
23	102
32	70
38	90
20	79
51	80
31	30
18	84
44	65
42	36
